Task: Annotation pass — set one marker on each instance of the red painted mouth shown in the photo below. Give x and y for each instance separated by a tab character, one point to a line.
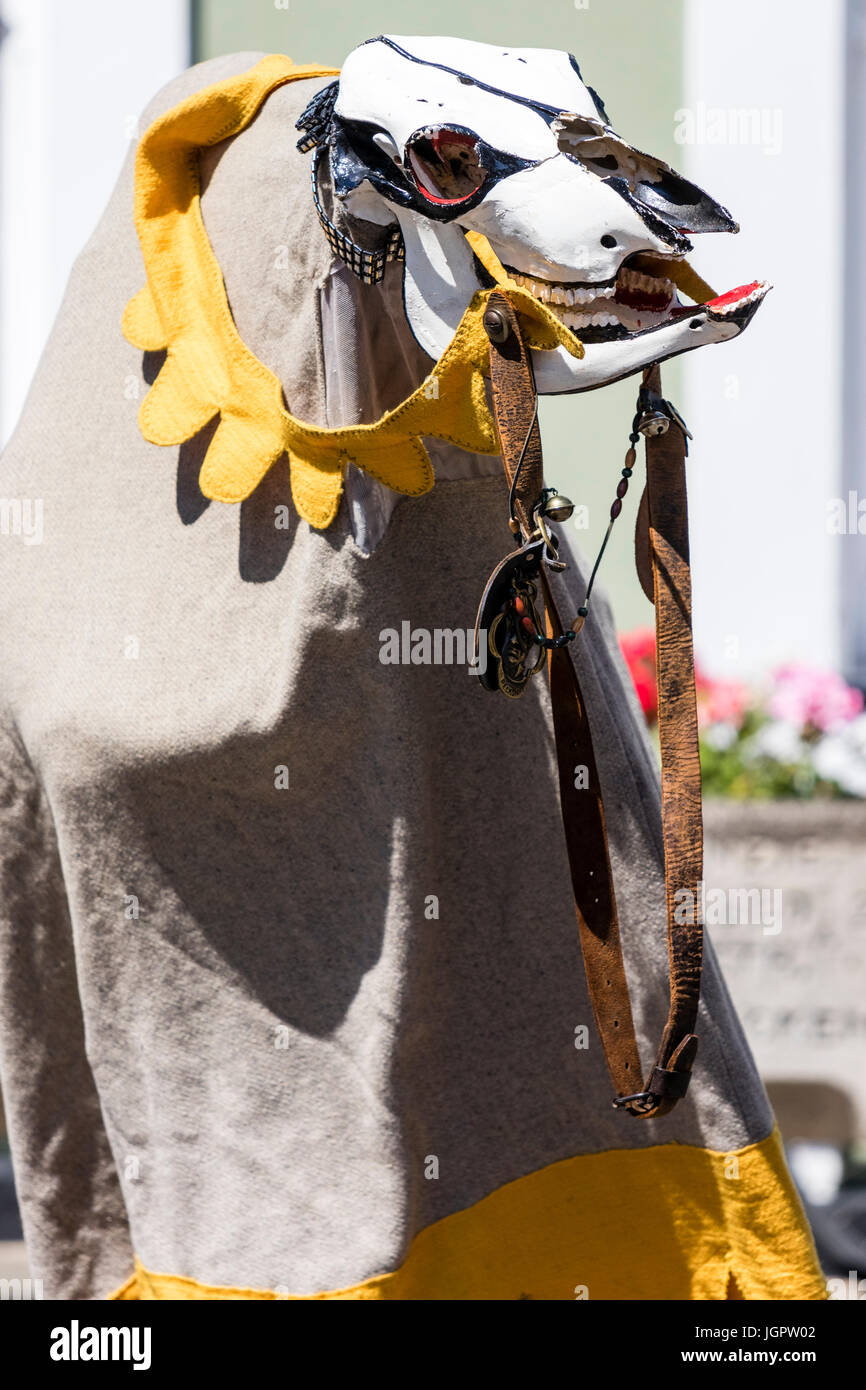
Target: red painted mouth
728	305
743	292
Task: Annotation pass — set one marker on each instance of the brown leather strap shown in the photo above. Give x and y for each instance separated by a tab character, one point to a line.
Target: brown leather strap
682	822
643	558
514	405
515	409
589	862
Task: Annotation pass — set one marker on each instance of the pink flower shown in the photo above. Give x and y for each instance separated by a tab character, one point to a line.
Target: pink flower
805	695
721	701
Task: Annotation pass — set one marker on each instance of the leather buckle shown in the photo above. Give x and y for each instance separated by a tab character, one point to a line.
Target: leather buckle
637	1104
670	1084
665	1083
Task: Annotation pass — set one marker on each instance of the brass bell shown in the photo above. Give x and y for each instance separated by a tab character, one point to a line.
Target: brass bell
654	422
558	508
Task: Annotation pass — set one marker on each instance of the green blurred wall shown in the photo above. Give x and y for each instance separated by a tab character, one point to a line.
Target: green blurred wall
631	52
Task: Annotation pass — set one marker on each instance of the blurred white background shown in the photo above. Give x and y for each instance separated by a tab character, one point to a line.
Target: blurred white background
73	79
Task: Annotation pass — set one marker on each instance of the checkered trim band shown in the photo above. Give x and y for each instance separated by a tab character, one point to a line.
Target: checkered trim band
369	266
315	120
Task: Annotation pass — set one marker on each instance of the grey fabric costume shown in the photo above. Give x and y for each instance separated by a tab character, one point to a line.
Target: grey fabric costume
230	1031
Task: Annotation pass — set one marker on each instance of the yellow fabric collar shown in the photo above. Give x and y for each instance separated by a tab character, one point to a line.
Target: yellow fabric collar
208	369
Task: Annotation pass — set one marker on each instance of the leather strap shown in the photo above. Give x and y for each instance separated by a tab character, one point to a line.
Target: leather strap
665	544
643	558
515	409
589	862
682	821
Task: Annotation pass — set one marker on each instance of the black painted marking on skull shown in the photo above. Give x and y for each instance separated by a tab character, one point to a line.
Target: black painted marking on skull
597	101
542	108
656	223
355	156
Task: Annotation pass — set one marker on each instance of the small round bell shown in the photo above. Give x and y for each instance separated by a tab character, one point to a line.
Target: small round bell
558	508
654	422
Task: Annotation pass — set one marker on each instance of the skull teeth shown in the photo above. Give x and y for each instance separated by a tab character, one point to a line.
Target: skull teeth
601	320
550	293
629	279
563	297
623	317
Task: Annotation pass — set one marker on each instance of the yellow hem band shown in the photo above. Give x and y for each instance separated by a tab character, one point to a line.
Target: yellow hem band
668	1222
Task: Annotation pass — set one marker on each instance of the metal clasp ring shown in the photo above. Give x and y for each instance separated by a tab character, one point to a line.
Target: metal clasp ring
648	1100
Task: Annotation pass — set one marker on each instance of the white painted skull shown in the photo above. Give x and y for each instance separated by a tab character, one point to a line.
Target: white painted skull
448	136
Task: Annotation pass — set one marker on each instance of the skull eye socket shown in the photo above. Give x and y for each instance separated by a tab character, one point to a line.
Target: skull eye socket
445	164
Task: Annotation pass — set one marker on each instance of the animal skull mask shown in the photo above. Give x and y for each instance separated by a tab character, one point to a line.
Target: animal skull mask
444	136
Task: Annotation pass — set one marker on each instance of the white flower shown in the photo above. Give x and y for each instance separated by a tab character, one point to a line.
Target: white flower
720	735
779	740
841	757
855	733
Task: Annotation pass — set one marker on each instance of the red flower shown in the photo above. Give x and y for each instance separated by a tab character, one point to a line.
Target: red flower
718	700
639	650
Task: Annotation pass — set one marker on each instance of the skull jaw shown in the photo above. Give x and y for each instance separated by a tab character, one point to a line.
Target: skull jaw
557	373
441	277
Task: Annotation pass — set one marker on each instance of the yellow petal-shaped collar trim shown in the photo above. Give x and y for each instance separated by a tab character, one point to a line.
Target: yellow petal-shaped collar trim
209	371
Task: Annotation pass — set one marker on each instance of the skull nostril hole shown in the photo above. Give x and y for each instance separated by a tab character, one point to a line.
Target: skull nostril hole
696	323
608	241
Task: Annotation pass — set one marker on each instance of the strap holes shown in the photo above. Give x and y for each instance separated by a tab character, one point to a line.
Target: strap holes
616	1023
626	1067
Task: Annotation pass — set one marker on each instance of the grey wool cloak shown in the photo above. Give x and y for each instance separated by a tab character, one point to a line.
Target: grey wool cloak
283	1011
